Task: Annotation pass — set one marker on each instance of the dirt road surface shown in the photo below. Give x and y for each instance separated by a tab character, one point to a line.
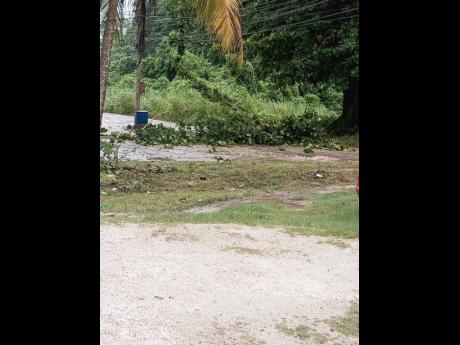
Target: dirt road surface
222	284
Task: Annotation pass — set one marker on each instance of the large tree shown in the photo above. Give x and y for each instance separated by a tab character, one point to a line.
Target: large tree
310	45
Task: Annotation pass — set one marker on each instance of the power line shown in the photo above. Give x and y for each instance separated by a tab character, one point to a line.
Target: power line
270	4
174	22
249	24
263	7
293	25
192	38
306	22
287	25
159	18
289	12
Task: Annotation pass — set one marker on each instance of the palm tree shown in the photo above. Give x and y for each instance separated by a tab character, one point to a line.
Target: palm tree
220	17
140	7
110	13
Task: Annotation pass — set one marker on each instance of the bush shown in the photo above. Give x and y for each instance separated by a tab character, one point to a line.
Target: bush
160	134
120	101
223	103
163	64
108	148
159	84
236	127
121	66
177	101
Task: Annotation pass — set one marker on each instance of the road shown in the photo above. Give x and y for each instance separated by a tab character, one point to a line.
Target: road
221	284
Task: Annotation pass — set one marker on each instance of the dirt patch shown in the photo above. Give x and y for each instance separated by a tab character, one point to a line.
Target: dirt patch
120	123
113	214
217	206
192	292
222	205
289	199
291	153
116	216
130	151
342	155
330	189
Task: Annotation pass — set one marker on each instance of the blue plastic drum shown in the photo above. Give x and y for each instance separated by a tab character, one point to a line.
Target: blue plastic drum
142	118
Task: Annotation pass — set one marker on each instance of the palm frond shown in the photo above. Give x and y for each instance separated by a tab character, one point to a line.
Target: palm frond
120	15
222	18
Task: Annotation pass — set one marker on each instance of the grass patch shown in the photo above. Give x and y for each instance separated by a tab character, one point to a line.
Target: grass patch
328	215
161	192
304	332
349	323
182	237
244	250
163	201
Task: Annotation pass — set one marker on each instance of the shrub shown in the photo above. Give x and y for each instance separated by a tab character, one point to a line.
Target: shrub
121	66
120	101
223	103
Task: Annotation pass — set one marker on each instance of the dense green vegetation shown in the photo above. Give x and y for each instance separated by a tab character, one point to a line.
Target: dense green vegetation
300	68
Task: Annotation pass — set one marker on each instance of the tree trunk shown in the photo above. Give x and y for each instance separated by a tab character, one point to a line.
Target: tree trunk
349	120
106	51
141	13
138	86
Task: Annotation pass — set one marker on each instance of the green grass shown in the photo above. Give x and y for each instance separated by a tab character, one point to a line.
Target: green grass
349	323
151	204
349	140
161	192
329	215
303	332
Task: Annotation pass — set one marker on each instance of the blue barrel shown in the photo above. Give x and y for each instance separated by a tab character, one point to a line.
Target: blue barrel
142	118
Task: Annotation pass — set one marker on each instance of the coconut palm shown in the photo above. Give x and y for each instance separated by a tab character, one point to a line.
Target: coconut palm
140	9
220	17
111	18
